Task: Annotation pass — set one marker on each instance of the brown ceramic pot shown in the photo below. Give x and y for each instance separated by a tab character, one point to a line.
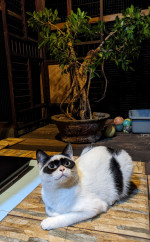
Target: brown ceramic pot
81	131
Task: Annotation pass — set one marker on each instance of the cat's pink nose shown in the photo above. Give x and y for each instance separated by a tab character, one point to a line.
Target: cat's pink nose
62	168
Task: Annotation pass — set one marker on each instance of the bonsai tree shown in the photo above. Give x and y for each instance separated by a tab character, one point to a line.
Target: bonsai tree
121	45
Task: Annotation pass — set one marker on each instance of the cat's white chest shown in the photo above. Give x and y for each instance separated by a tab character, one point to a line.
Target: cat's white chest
61	200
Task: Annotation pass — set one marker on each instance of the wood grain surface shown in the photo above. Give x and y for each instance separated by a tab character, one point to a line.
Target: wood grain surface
126	220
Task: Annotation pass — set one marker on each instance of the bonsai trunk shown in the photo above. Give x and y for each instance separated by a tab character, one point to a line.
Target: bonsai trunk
78	106
77	97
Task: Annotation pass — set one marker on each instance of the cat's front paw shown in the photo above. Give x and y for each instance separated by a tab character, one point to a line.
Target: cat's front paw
49	223
45	224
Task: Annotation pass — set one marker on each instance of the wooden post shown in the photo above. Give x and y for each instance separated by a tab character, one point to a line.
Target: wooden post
101	10
69	7
40	4
9	67
24	18
101	17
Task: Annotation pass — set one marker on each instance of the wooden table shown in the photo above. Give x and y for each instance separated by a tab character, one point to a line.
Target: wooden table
127	220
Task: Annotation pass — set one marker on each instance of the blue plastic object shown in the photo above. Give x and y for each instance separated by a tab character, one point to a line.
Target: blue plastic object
140	120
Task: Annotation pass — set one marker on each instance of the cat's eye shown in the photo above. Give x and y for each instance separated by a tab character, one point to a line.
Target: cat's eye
67	163
52	166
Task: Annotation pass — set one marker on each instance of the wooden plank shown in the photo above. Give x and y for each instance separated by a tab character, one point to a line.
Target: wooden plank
58	83
31	203
106	18
129	217
9	142
149	187
3	144
21	229
22	153
13	14
147	168
89	42
138	167
111	17
84	235
13	141
135	144
24	229
149	197
44	142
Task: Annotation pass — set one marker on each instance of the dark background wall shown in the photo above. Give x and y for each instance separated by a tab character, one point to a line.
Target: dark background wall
126	90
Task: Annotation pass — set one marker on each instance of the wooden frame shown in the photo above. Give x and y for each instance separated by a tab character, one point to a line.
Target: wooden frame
9	67
24	47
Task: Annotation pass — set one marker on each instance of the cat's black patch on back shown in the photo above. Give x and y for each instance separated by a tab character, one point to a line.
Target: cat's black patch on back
113	151
57	163
117	174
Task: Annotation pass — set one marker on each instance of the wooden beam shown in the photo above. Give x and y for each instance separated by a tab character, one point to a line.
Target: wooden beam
101	18
109	18
14	15
39	4
106	18
69	7
59	25
101	10
22	38
89	42
24	18
44	81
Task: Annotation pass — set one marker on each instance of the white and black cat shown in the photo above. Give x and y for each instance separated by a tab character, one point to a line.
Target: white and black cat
74	191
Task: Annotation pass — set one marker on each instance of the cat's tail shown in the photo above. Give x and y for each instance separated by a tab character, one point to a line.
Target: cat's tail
126	167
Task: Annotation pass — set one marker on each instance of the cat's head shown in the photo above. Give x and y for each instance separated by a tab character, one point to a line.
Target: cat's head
59	169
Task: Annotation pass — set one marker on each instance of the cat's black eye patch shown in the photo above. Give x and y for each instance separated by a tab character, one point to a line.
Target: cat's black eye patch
48	170
51	167
67	163
54	165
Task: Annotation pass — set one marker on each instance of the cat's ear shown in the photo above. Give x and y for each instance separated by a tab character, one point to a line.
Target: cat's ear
68	151
41	157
